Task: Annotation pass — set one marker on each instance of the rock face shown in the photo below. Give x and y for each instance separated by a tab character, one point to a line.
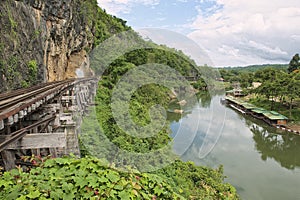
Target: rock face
53	33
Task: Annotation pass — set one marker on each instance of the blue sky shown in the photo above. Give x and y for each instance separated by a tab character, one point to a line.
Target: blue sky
174	15
231	32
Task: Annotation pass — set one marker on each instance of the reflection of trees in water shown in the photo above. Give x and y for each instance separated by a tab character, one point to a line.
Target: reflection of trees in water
174	117
204	99
284	148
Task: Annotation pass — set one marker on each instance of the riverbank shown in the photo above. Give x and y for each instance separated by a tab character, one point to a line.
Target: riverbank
270	117
292	126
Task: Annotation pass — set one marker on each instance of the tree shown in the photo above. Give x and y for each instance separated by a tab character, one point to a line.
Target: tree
293	90
265	74
294	63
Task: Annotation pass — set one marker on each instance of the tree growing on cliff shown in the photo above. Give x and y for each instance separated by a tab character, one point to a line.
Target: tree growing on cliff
294	63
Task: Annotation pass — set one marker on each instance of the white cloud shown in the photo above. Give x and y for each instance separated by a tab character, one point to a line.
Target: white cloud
234	32
229	50
264	48
248	32
116	7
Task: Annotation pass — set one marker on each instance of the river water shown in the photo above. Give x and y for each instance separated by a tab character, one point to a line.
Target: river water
259	161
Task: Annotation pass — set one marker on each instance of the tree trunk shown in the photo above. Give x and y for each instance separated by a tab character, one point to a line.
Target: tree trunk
291	107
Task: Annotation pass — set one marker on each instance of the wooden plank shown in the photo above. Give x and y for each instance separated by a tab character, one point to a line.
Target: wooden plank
40	140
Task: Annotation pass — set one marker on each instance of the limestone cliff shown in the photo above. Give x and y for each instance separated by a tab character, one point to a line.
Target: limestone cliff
45	40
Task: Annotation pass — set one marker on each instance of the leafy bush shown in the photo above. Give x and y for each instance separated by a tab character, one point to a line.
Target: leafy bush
85	178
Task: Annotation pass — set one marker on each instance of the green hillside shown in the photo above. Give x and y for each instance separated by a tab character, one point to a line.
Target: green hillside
254	68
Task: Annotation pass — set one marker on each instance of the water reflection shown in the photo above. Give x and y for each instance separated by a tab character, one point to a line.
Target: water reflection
259	161
282	148
204	99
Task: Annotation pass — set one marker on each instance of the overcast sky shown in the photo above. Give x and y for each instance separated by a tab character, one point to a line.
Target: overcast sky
232	32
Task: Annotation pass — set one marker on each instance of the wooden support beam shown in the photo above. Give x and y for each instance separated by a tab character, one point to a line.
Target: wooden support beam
45	127
8	157
36	152
1	124
53	152
38	141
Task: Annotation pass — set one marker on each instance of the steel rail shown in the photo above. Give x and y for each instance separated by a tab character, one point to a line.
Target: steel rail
7	95
21	97
27	91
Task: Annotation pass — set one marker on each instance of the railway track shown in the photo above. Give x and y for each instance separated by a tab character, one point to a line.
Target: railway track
7	95
19	96
16	101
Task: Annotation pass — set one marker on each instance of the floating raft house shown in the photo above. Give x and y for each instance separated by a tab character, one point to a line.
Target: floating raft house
271	117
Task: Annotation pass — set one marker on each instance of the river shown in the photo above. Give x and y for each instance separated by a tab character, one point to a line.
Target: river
259	161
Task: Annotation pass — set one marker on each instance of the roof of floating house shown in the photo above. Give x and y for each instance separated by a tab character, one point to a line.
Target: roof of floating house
275	116
259	110
248	105
269	114
237	101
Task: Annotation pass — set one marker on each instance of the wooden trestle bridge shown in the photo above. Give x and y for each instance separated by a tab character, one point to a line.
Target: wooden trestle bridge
43	120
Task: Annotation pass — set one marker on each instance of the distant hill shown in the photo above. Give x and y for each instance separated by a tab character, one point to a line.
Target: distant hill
254	68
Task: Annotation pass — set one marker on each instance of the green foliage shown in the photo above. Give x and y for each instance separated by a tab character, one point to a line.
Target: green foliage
163	55
254	68
195	182
140	103
24	84
13	24
103	25
31	75
143	99
200	85
281	90
9	69
294	63
247	75
85	178
33	69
